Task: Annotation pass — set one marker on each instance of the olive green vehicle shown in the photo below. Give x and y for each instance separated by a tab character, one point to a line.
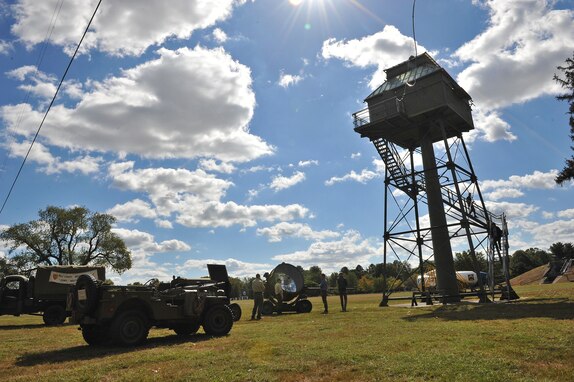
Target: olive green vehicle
123	315
44	291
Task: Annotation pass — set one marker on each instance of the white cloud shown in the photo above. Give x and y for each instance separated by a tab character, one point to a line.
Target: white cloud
143	246
381	50
195	213
355	155
514	59
194	197
184	104
49	164
567	214
512	210
126	27
219	35
283	182
307	163
5	47
536	180
277	232
364	177
131	209
504	193
235	268
286	80
212	165
333	255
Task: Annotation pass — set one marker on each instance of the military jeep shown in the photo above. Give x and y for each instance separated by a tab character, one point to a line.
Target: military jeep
123	315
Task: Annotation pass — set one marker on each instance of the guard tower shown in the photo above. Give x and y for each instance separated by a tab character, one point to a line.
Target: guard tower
418	106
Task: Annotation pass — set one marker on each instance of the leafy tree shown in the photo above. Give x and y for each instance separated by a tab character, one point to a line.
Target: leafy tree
67	236
524	260
313	275
562	250
463	261
366	284
567	83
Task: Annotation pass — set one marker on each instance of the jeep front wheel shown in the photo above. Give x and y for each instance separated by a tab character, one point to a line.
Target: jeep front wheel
218	320
54	315
130	328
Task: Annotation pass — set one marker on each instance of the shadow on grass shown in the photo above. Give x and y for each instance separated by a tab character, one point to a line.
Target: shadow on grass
78	353
30	326
557	308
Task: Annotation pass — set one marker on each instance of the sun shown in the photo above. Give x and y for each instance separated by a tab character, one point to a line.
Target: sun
295	2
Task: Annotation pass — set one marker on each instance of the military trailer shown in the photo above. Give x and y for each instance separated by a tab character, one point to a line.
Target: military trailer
123	315
44	292
293	287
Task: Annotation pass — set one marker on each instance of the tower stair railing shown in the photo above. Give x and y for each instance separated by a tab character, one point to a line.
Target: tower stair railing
395	166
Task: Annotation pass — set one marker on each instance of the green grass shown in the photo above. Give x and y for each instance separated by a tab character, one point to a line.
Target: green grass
527	340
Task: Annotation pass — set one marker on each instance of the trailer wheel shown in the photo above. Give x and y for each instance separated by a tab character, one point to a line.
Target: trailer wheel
235	310
86	294
130	328
54	315
96	335
218	320
184	330
304	306
267	308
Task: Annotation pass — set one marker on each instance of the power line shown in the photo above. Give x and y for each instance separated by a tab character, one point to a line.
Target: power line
50	105
39	60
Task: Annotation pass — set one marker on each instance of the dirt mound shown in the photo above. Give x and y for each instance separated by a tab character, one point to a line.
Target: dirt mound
533	276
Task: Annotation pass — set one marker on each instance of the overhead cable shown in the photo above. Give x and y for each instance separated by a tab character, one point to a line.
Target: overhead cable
50	105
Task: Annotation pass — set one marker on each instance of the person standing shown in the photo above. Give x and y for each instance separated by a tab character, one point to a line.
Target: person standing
258	287
279	295
342	284
324	289
470	204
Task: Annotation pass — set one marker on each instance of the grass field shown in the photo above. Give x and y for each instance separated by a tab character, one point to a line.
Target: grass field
527	340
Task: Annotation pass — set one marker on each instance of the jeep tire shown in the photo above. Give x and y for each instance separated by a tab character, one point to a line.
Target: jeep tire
218	320
184	330
96	335
235	310
130	328
86	304
54	315
267	308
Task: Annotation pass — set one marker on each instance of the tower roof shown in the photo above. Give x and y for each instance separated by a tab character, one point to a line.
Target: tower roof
407	72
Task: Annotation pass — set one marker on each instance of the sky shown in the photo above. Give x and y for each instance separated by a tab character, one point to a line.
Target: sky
221	130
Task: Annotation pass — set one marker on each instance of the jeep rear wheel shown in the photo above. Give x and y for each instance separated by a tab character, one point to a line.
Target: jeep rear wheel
184	330
95	335
54	315
218	320
130	328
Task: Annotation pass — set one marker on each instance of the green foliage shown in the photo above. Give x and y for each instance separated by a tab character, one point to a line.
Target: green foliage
567	83
66	236
463	261
562	250
524	260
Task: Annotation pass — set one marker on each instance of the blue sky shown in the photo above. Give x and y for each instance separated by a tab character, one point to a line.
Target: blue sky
221	130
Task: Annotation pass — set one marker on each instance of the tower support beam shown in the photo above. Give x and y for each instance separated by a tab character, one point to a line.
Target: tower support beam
445	272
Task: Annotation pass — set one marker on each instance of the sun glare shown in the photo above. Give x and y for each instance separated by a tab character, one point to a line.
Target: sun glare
295	2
